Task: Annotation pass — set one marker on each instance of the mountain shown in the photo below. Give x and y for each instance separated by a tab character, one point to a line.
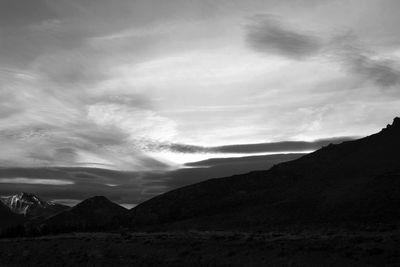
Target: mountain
30	205
8	218
355	181
95	213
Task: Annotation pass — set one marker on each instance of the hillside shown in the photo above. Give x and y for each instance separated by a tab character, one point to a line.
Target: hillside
355	181
96	213
8	218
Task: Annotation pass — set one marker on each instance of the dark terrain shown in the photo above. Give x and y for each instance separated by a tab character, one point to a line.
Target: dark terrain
96	213
8	218
371	247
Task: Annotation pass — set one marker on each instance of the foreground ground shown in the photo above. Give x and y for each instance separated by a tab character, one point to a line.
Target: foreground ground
366	248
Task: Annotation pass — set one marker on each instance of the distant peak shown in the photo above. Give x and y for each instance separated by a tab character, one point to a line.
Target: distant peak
98	202
97	199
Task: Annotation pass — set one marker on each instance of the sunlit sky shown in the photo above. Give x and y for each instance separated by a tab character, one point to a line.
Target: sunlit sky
116	83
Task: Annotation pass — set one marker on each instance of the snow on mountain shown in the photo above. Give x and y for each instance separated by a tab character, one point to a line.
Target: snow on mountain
30	205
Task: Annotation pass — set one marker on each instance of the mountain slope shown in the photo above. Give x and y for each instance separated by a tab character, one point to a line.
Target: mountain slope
353	181
8	218
30	205
94	213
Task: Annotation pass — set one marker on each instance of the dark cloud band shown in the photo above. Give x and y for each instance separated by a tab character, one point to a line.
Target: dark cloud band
273	147
267	34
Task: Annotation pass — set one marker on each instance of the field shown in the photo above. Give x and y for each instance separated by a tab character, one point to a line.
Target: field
372	247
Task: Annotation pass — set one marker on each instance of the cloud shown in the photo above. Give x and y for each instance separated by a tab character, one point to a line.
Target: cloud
281	146
273	147
138	123
359	61
382	72
68	202
267	34
63	132
22	180
80	142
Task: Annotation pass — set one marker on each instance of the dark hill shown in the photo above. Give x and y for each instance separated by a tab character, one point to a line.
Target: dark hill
96	213
355	181
8	218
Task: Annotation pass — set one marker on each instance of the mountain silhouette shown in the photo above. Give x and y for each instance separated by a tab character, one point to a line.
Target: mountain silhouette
95	213
355	181
31	205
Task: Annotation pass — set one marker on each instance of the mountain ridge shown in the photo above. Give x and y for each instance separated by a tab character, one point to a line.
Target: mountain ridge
356	180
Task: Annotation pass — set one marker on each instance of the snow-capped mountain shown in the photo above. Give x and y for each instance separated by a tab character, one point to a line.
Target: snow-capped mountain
30	205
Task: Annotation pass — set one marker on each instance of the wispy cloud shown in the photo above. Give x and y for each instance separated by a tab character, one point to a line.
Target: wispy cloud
383	72
32	181
267	34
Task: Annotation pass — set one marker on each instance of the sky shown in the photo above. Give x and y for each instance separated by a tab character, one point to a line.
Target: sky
140	88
